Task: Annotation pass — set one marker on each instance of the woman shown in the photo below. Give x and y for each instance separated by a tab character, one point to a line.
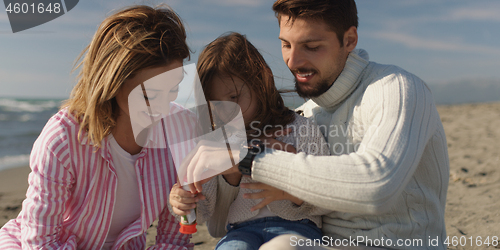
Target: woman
92	186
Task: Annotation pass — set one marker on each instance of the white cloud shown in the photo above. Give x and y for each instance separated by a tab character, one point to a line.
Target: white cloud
46	84
467	11
4	23
202	27
247	3
21	76
81	18
484	13
412	3
429	44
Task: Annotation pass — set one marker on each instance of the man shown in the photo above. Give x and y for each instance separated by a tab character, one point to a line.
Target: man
387	177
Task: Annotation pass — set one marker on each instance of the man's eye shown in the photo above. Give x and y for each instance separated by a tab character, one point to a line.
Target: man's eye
312	48
287	46
233	97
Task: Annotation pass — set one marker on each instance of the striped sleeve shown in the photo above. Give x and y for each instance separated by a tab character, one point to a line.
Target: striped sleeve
168	235
180	126
49	188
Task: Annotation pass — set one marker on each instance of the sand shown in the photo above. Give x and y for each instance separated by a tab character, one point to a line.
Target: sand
473	204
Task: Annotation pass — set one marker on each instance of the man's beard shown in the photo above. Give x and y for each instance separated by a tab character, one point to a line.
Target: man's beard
321	87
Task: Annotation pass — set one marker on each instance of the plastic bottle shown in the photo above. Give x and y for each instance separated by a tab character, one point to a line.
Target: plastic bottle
188	222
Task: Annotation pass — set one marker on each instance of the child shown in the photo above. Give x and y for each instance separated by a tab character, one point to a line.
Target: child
231	69
92	186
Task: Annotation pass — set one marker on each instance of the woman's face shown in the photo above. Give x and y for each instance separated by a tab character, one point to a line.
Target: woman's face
145	97
234	90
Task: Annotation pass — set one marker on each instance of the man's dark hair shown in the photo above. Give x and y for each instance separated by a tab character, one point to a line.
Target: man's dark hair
339	15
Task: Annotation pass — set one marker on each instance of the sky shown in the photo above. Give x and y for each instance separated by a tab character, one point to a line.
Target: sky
440	41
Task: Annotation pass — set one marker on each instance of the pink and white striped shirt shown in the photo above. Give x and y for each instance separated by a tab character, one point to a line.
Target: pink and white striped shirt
71	193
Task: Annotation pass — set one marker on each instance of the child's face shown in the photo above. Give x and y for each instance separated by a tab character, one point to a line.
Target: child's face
235	90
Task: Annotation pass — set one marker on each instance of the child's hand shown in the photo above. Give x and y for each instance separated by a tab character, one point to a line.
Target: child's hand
183	201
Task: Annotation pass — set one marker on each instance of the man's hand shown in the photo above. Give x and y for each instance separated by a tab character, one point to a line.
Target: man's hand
268	194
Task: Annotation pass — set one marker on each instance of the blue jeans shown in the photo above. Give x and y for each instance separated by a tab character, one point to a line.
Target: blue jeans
250	235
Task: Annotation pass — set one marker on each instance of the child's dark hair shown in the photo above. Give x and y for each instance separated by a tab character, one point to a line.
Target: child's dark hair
233	55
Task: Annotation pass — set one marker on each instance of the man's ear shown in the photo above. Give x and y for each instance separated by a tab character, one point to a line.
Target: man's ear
351	38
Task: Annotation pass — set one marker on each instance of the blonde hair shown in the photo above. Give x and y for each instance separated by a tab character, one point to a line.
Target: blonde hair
130	40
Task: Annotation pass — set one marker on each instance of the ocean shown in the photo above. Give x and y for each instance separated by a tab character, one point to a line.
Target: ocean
21	121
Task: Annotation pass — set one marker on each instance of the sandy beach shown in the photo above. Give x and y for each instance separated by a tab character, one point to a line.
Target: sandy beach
473	204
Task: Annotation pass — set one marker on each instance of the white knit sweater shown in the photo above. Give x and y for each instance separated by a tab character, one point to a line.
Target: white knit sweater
389	170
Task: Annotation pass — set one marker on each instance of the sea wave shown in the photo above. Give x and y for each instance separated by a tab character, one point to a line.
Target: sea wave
17	117
17	105
12	161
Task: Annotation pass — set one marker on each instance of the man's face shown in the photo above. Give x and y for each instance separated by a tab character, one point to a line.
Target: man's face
313	54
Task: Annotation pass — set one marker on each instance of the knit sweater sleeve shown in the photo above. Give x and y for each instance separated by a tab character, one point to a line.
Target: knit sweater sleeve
306	137
399	118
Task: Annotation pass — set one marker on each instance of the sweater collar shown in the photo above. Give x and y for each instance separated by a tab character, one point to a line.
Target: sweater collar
347	81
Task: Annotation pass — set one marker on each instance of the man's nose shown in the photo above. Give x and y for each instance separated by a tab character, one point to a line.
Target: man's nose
295	59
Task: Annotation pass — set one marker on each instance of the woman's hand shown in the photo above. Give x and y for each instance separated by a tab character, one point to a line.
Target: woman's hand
268	194
183	201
